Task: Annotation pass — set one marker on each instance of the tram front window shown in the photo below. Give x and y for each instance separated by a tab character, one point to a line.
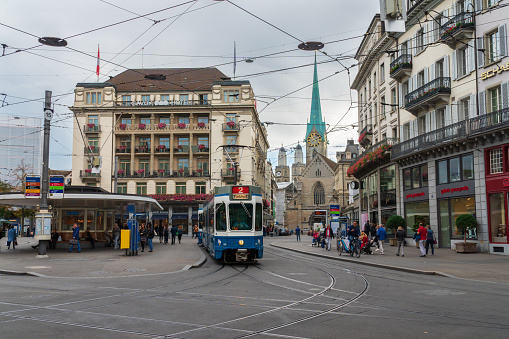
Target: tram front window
241	217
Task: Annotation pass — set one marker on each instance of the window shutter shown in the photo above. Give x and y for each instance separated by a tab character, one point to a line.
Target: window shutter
400	96
401	134
425	31
432	121
482	103
480	53
426	75
414	44
471	59
472	112
478	5
432	72
454	112
414	83
448	119
453	66
416	127
502	46
427	120
468	5
446	66
505	94
411	129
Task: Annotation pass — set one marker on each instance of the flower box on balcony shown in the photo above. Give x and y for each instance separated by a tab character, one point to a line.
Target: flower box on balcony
91	147
161	147
142	126
121	172
181	125
231	169
181	170
122	147
230	124
201	147
122	126
201	124
161	170
140	171
88	170
161	125
90	126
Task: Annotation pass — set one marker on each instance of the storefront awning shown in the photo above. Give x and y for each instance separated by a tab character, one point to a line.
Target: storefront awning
160	216
179	216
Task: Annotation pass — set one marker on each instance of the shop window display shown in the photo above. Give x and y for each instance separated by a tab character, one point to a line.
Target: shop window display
416	213
498	221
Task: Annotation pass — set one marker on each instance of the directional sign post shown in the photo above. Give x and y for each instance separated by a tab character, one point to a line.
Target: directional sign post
56	187
33	186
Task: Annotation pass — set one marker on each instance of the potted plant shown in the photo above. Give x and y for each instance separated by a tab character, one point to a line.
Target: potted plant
88	170
140	171
181	125
181	170
142	126
90	126
200	171
201	147
121	172
122	126
161	148
393	223
180	148
122	147
465	223
230	124
201	124
161	125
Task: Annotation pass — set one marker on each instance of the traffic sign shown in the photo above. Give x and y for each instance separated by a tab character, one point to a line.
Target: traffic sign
33	186
48	114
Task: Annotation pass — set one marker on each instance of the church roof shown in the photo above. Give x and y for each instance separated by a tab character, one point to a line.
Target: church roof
298	146
282	149
315	118
329	162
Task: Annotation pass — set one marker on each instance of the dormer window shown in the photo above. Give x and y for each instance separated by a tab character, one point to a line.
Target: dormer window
94	98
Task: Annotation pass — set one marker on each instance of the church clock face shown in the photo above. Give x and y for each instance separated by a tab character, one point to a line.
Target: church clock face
278	174
314	139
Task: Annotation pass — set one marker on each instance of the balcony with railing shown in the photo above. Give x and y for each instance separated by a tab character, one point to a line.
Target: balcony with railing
366	136
489	122
162	149
201	148
91	128
373	157
182	149
87	174
142	149
430	140
435	92
123	149
457	29
231	126
91	150
401	68
229	172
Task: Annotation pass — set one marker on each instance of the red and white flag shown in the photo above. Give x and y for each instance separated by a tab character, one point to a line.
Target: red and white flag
98	58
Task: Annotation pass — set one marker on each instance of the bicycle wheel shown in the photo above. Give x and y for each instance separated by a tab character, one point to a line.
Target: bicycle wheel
340	247
357	250
351	249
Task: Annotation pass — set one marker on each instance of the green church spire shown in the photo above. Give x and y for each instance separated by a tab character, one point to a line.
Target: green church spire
315	118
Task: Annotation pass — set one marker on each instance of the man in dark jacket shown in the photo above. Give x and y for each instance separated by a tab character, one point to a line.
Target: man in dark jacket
76	236
173	234
367	228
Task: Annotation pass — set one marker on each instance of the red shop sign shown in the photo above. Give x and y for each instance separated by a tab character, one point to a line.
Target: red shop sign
415	195
505	182
452	190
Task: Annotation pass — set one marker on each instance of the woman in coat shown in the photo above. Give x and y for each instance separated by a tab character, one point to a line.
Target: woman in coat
11	237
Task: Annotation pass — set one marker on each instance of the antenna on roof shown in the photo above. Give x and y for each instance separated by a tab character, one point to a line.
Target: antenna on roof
234	59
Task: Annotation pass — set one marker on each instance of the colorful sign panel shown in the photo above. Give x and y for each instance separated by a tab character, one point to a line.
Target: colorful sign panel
240	192
56	187
33	186
334	211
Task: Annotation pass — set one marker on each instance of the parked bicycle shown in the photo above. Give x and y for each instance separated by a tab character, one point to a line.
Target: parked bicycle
343	245
355	247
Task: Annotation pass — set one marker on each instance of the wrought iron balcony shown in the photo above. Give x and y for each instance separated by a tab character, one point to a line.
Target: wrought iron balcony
434	92
162	149
182	149
229	173
489	122
142	149
458	28
231	126
365	135
91	128
91	150
401	67
197	149
430	140
124	149
89	174
373	157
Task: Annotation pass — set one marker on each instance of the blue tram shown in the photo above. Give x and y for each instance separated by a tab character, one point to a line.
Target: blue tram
232	224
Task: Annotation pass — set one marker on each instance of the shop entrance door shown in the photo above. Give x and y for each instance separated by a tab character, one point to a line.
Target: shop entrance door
445	226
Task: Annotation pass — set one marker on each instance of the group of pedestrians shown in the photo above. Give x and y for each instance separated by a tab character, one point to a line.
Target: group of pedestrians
426	239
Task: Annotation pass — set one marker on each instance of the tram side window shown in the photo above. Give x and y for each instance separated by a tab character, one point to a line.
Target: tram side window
258	218
241	217
220	217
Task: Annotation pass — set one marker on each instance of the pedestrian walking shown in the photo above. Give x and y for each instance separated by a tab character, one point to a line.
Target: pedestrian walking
297	233
367	229
195	231
375	237
11	238
166	233
143	237
150	237
400	236
75	238
381	234
329	235
430	240
160	232
173	234
116	236
423	233
179	232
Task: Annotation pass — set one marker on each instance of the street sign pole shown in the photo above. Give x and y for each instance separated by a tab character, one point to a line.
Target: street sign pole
44	217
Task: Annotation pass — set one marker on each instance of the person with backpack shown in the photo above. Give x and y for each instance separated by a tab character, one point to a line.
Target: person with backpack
179	232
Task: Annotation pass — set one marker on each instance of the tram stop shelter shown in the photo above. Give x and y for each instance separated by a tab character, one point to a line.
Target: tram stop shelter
89	207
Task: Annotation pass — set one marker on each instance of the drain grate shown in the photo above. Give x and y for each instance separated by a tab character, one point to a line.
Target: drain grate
498	249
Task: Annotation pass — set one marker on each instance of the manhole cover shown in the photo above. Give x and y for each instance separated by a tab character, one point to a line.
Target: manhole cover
440	292
100	272
37	267
134	270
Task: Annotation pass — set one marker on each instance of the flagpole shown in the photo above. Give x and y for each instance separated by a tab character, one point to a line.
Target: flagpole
98	58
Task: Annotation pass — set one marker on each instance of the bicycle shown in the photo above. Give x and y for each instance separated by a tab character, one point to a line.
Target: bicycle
355	247
342	246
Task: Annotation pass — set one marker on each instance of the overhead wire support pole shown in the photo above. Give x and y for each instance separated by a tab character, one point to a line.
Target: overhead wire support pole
45	154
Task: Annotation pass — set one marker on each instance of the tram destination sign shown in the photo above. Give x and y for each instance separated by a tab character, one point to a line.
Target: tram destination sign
56	186
240	193
33	186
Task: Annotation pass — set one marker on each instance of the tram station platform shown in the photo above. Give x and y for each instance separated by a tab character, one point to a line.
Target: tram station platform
445	262
101	261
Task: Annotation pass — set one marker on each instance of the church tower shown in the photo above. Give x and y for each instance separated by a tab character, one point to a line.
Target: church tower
316	138
298	165
282	169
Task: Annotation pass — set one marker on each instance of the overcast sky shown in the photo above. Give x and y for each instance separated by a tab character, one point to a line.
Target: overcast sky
191	34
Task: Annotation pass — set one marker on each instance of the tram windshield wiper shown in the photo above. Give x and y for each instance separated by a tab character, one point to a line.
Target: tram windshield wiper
218	206
245	209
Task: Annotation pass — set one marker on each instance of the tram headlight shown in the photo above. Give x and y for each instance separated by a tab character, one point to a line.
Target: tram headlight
241	242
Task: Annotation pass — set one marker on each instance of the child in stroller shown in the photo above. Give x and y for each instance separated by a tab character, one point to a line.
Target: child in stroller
365	244
316	238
